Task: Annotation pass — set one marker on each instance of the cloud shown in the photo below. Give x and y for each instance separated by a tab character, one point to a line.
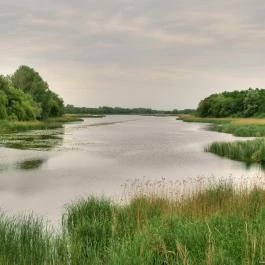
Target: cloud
119	52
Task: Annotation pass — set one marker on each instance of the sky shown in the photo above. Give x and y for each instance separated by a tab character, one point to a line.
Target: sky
162	54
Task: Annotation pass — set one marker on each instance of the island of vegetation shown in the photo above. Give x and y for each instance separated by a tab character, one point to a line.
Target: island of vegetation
240	113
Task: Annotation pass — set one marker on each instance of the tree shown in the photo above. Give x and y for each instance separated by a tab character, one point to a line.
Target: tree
29	81
15	104
246	103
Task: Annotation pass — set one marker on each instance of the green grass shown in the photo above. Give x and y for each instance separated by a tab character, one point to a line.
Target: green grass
38	135
64	119
22	126
248	151
249	127
96	116
240	130
193	118
215	226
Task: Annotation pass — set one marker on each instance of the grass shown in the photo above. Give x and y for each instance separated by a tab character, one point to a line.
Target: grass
38	135
248	151
216	226
64	119
241	127
91	116
193	118
22	126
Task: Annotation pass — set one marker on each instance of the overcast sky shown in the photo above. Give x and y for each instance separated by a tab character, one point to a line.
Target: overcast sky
162	54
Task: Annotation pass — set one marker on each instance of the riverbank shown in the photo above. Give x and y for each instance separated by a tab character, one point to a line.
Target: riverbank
250	151
22	126
241	127
216	226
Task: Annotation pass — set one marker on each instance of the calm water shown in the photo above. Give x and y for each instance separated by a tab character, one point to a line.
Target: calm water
99	155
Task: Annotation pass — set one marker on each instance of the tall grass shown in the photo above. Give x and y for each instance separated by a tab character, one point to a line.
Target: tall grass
216	226
26	240
240	130
21	126
248	151
248	127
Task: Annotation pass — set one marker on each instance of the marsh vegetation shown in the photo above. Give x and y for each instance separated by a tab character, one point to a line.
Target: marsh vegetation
218	225
249	151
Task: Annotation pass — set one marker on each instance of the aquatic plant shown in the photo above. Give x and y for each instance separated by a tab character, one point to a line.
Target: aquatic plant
248	151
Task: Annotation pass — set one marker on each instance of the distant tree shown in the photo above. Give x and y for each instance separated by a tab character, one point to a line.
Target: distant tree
246	103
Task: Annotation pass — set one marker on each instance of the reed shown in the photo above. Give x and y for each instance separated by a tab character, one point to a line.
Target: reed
241	127
248	151
22	126
217	225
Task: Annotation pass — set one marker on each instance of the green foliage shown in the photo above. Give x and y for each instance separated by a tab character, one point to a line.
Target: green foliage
15	104
26	79
247	103
25	96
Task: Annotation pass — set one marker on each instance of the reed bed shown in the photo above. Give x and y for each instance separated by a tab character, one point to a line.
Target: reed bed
241	127
249	151
22	126
216	225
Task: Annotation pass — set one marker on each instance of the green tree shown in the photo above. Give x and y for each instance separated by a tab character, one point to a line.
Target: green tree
246	103
28	80
14	103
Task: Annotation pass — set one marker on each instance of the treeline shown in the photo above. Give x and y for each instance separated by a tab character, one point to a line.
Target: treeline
26	96
245	103
105	110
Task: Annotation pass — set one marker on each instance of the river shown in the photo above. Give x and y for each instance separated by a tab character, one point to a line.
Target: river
102	156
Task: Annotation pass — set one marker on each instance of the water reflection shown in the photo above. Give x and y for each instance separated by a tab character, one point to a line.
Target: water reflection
4	167
30	164
250	166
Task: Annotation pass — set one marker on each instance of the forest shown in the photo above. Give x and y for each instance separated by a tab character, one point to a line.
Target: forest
25	96
104	110
245	103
